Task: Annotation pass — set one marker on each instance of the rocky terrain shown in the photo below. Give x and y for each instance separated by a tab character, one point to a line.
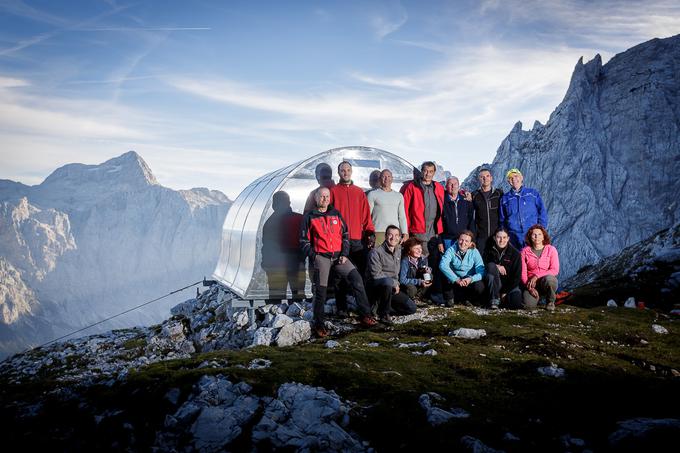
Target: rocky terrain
648	271
215	377
93	240
607	160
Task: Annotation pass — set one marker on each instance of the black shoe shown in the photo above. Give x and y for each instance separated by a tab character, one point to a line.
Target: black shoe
387	320
342	314
449	303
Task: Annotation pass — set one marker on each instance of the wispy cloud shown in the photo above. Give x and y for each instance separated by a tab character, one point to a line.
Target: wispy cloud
389	20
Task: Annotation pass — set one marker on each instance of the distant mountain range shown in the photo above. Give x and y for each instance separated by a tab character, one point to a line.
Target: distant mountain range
93	240
607	162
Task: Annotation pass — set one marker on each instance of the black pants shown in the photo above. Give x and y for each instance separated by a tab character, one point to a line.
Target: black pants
381	293
474	292
496	287
414	291
347	272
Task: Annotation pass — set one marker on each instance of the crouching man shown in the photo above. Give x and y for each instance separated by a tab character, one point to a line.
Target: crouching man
382	278
325	240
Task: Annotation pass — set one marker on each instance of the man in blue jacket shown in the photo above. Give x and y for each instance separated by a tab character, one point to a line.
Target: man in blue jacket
521	207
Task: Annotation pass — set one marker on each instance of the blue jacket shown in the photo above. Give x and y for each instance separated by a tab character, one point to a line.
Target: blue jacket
521	210
470	266
408	272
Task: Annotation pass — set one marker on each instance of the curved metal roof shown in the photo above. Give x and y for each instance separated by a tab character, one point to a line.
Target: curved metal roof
240	267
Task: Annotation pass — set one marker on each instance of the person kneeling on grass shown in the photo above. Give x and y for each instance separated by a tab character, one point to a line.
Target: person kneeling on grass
463	268
540	266
382	278
504	271
324	239
415	276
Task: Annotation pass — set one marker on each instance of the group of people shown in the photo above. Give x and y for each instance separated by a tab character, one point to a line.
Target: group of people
426	242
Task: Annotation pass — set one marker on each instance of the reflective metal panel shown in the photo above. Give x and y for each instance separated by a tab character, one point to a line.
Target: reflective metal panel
248	265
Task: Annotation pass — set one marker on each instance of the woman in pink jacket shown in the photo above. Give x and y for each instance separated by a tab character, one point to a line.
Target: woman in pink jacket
540	266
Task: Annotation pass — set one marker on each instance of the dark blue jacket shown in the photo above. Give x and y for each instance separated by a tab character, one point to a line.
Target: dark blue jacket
458	218
519	211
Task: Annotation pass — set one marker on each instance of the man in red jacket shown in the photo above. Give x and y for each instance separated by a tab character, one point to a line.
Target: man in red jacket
423	202
324	239
352	204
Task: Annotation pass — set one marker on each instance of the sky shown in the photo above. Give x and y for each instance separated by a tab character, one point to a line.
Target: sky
217	93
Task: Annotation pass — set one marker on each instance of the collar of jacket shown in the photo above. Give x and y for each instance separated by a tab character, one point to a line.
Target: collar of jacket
387	248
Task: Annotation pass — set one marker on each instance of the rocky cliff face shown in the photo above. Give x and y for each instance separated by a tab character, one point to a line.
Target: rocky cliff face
607	161
93	240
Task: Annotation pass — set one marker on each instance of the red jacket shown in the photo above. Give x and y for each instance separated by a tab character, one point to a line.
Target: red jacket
352	203
414	204
324	233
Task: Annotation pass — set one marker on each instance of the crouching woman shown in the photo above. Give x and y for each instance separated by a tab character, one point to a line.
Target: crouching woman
463	270
415	276
503	271
540	266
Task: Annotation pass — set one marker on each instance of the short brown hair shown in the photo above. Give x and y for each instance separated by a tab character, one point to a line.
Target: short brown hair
409	244
472	237
546	236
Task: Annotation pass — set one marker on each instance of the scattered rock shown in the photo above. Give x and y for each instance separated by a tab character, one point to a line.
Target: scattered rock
263	336
471	334
241	318
294	333
630	303
611	303
659	329
431	352
645	434
436	415
305	418
331	344
259	364
281	320
475	445
552	371
295	310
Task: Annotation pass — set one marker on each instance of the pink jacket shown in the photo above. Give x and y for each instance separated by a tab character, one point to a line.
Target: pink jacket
547	264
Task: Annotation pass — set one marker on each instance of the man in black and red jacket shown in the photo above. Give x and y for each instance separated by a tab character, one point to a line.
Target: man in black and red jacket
325	240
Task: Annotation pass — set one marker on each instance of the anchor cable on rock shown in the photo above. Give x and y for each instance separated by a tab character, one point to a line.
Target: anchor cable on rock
204	282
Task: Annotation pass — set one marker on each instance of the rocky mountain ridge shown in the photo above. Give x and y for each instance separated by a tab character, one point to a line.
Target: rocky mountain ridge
607	160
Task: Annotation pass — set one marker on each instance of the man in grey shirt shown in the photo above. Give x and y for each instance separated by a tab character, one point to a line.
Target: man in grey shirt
387	208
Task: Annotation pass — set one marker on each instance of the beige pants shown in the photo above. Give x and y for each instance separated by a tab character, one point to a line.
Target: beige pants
546	287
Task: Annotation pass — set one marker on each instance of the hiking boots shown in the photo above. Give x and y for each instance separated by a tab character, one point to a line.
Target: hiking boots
342	314
448	303
495	304
550	306
368	321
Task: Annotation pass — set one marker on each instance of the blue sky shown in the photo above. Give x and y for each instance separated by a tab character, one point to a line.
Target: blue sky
215	93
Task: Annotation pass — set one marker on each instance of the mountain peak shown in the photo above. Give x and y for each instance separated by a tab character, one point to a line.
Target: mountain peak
131	162
128	169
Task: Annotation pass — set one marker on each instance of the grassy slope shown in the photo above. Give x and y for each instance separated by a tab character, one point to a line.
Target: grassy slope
611	375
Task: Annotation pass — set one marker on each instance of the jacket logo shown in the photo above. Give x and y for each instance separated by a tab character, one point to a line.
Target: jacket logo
335	222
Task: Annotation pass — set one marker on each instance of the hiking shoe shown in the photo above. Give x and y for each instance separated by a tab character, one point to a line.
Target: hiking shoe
342	314
550	306
448	303
495	304
368	321
321	332
386	319
467	303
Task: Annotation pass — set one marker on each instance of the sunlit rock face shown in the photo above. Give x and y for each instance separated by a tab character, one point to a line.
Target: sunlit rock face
93	240
607	161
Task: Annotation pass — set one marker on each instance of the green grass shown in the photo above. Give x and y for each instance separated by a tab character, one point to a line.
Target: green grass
616	366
